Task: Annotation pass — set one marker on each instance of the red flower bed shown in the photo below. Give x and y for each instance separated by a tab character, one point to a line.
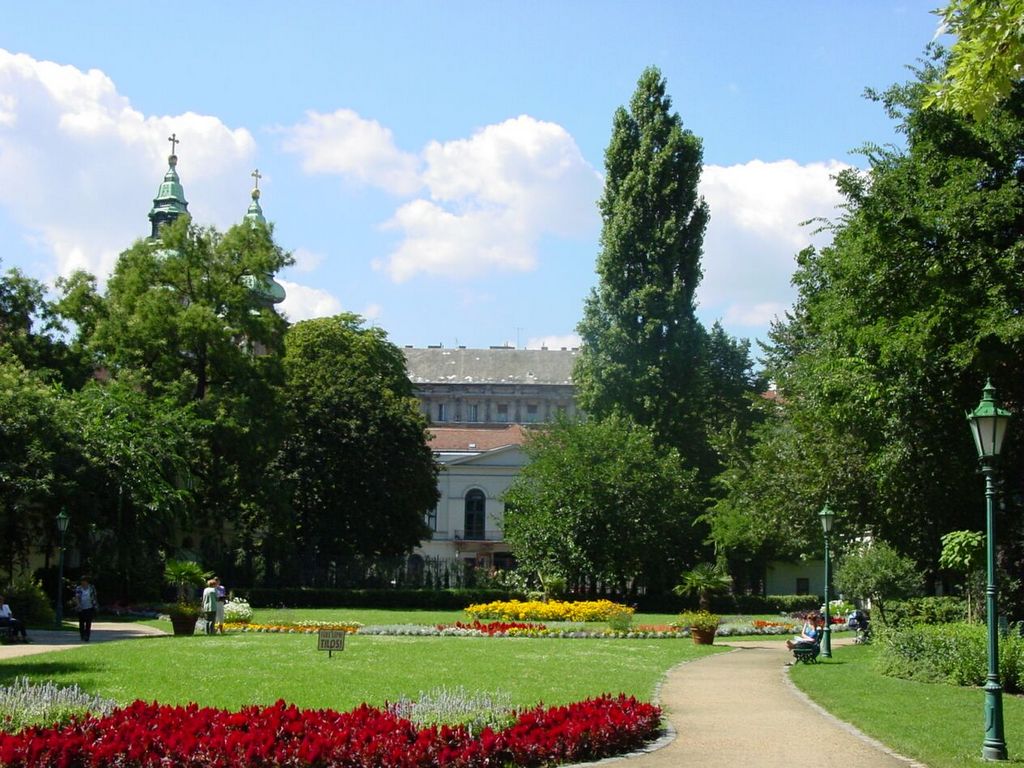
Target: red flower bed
493	627
145	735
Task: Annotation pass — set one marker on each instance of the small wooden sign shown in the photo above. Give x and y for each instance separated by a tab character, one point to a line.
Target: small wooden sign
331	640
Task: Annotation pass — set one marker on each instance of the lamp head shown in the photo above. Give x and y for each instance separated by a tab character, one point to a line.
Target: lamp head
63	521
826	516
988	424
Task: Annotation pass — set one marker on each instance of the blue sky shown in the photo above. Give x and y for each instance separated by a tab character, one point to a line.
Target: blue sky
434	166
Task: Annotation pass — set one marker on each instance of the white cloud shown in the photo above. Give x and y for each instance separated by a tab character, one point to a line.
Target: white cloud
344	143
304	303
306	260
487	200
79	165
755	233
567	341
372	311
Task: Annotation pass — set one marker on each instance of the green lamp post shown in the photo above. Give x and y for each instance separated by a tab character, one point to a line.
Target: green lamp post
827	516
62	525
988	426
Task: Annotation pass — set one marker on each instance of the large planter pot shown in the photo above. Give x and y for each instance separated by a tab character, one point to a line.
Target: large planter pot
183	625
702	636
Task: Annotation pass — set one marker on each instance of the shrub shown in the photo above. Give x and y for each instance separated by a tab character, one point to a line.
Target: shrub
620	618
308	597
925	610
29	602
456	706
952	653
23	704
237	611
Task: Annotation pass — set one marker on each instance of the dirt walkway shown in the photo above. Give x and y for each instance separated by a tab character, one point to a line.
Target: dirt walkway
43	640
739	708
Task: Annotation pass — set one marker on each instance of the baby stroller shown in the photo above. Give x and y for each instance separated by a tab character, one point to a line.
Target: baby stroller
858	621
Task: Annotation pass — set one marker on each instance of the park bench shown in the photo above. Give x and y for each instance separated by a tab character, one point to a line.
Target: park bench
806	653
6	632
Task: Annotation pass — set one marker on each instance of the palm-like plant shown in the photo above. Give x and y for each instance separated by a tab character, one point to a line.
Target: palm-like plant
182	574
704	580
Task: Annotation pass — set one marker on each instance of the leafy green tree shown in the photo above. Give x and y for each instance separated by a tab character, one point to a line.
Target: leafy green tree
986	61
601	501
642	351
181	320
964	551
877	572
355	460
138	450
896	326
32	440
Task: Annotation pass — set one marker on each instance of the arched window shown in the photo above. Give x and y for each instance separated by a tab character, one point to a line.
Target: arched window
476	505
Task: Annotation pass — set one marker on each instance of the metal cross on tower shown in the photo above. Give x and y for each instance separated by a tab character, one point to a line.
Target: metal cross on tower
173	138
257	176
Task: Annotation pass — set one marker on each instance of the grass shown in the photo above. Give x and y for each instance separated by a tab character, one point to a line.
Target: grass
234	670
937	724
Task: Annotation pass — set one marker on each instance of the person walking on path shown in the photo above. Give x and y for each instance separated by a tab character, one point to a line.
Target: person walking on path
85	603
210	605
222	598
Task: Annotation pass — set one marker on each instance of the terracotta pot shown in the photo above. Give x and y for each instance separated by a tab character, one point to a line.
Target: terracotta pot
702	636
183	625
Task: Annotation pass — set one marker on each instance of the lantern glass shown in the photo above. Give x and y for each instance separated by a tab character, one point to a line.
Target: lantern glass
826	516
63	521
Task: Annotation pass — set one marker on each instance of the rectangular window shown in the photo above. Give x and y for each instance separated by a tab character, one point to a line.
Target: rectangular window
442	412
531	414
472	413
803	586
502	413
430	518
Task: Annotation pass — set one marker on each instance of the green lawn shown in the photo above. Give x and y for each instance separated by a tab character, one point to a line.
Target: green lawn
237	669
940	725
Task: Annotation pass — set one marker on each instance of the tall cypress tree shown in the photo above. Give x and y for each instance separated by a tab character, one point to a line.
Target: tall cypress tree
642	343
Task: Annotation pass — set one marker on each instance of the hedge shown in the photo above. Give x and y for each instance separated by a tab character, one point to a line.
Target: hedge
309	597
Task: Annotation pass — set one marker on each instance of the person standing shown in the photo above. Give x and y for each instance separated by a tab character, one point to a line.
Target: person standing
210	605
85	603
222	598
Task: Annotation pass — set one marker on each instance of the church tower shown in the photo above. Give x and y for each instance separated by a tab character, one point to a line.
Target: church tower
169	202
264	288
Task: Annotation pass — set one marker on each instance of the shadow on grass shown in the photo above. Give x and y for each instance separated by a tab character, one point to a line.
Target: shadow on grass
36	669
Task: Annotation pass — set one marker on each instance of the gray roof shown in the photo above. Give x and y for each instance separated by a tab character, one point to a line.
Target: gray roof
501	365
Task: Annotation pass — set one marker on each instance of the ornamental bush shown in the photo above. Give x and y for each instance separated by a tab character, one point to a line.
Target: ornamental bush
23	703
552	610
925	610
149	734
950	653
237	611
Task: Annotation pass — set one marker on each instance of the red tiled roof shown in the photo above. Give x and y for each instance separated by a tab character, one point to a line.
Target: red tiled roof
476	438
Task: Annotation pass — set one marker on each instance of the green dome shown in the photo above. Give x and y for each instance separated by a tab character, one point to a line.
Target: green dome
169	202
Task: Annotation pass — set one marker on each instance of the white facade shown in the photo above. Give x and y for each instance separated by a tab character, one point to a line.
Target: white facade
467	522
801	578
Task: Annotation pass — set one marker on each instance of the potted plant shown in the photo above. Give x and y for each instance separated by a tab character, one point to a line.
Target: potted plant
702	625
184	576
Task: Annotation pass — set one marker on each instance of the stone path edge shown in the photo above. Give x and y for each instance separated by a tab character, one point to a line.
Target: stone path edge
846	726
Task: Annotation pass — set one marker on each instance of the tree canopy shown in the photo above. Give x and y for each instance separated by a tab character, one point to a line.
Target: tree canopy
354	461
601	501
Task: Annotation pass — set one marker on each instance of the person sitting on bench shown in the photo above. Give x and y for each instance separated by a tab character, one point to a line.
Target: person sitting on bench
7	620
808	635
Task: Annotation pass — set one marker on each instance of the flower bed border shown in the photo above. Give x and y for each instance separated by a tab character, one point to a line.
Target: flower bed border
144	735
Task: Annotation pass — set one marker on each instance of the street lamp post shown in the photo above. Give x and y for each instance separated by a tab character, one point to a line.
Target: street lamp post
988	426
827	516
62	526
